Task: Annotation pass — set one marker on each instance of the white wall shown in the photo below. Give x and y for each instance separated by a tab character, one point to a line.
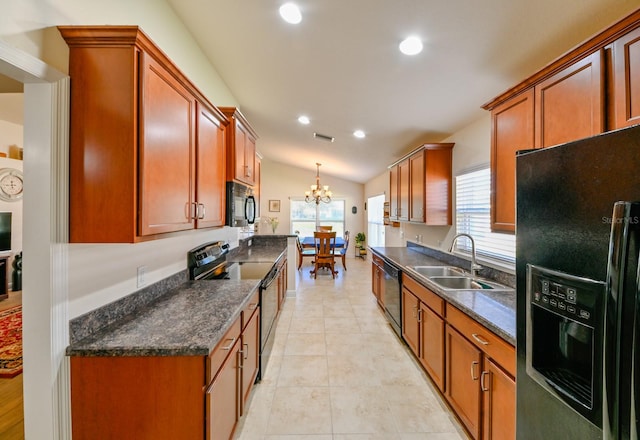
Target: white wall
472	148
281	182
99	274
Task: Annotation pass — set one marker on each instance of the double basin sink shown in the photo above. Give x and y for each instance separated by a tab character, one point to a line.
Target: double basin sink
453	278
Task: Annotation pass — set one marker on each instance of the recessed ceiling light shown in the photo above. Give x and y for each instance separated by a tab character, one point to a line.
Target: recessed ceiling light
290	13
359	134
411	46
304	120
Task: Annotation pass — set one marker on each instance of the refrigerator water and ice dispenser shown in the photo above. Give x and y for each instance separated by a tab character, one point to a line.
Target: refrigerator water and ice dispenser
564	335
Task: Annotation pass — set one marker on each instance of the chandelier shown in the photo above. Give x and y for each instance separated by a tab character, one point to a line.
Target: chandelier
318	192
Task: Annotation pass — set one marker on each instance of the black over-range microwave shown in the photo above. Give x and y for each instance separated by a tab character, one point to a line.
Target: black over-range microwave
241	205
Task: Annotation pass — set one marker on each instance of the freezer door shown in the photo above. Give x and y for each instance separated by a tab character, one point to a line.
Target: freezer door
621	307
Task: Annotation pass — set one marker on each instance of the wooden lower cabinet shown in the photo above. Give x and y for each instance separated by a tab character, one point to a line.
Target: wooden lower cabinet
499	395
423	328
168	397
410	323
250	357
432	345
463	369
473	367
149	397
223	397
377	279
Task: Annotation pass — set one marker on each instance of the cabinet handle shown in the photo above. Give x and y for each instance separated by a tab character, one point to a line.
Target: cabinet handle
246	352
201	213
191	210
415	312
228	347
479	339
473	373
482	385
420	315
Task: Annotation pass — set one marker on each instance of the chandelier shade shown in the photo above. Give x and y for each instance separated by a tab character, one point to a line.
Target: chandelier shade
318	193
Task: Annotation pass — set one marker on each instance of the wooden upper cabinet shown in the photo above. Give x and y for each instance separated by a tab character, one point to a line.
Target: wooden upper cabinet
241	148
167	152
421	185
416	190
626	80
393	193
438	185
570	104
511	131
211	175
403	190
136	135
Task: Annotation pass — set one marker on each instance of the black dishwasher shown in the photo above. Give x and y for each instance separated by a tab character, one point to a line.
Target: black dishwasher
392	299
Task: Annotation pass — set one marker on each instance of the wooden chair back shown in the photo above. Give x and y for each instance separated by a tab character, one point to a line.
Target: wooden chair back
325	242
325	228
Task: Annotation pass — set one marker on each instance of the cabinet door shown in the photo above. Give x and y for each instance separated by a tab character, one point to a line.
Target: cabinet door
223	398
463	369
432	344
238	151
403	190
250	356
570	105
438	185
416	187
393	193
211	169
257	189
499	409
626	78
167	152
410	323
250	159
511	130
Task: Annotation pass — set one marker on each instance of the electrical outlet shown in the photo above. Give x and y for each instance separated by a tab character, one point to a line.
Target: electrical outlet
142	271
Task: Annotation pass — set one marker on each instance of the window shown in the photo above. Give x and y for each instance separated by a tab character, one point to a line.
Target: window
375	213
473	216
303	216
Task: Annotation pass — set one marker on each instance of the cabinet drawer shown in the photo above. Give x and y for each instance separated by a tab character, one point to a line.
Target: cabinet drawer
434	302
377	260
492	345
222	350
250	308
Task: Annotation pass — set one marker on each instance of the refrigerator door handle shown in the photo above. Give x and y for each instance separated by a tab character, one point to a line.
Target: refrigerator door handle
616	371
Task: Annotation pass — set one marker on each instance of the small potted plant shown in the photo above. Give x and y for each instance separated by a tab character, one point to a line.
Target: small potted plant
360	239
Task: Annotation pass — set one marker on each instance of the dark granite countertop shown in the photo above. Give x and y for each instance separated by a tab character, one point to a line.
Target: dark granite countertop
257	254
496	310
189	321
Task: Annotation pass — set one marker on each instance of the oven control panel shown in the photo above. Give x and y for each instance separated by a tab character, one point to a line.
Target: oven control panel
567	295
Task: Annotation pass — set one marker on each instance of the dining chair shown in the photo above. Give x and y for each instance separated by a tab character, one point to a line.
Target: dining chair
304	252
325	242
342	252
325	228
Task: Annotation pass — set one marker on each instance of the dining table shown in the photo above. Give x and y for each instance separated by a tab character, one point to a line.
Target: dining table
310	242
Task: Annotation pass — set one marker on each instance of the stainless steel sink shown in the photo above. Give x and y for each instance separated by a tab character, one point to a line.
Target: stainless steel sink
463	283
434	271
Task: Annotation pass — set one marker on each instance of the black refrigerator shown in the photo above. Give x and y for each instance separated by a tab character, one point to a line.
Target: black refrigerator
577	243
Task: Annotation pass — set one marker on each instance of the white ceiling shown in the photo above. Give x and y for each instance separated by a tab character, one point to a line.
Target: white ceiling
341	67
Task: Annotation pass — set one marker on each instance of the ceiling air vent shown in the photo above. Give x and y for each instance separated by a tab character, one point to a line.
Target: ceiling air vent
324	137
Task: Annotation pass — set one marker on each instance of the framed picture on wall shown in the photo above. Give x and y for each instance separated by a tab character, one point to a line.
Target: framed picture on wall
274	205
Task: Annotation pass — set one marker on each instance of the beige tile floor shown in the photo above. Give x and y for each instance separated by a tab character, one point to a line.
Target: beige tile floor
338	372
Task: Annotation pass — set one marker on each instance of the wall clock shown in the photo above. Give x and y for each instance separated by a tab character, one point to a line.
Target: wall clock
10	184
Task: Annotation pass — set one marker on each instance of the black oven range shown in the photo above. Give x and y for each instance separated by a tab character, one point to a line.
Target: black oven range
209	262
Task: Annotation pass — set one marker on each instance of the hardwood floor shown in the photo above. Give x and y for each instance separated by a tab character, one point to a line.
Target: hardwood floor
11	412
11	409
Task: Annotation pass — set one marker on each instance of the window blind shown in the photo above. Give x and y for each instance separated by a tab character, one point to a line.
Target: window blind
473	216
